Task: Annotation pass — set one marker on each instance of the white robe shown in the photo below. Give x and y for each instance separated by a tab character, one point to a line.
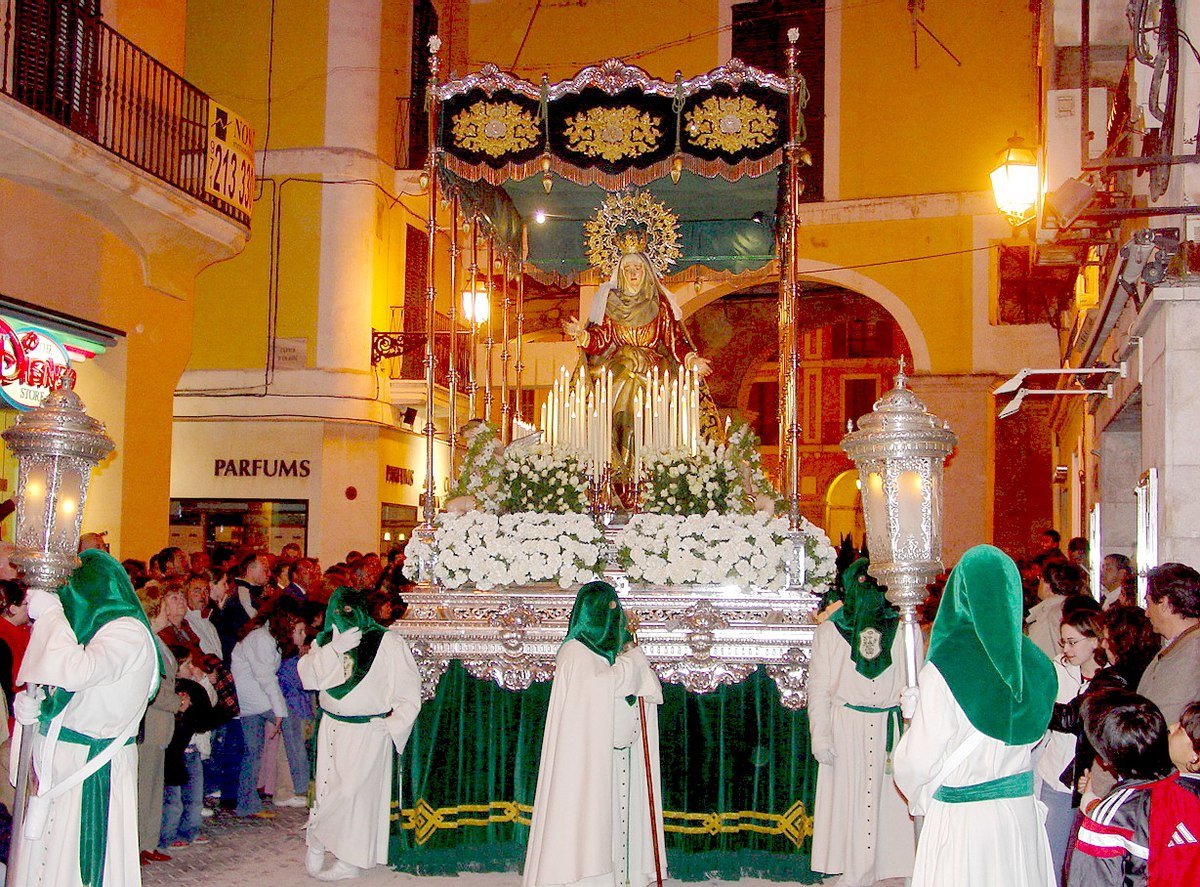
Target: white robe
591	822
110	678
353	802
1000	843
861	827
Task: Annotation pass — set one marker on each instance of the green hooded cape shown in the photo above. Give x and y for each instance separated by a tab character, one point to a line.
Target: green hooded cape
865	607
1003	682
598	622
97	593
348	609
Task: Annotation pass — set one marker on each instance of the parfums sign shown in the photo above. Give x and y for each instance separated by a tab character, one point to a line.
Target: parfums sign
261	468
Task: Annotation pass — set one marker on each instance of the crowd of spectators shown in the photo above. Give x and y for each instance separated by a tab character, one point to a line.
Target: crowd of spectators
230	730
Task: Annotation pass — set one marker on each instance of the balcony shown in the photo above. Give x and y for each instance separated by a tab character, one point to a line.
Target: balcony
93	119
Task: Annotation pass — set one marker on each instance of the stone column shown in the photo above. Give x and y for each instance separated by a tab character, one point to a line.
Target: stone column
1169	326
1119	467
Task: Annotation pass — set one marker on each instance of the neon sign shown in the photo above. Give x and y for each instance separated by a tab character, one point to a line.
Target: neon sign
32	364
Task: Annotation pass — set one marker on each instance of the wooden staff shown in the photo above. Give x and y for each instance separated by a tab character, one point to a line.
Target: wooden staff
658	874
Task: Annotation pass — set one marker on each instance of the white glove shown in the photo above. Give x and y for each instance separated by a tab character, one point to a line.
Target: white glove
27	707
909	697
825	754
345	641
42	602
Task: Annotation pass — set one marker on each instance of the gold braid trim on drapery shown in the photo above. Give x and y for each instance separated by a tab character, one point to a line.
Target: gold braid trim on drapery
515	172
425	821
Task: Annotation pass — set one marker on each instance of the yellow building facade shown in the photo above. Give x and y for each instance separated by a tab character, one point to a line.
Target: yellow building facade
105	225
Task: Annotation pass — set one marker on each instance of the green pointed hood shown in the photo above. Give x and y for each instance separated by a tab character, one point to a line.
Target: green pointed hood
98	592
598	622
1003	682
348	609
864	608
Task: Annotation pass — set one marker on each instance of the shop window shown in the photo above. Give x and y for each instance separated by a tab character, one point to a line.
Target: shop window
396	523
238	524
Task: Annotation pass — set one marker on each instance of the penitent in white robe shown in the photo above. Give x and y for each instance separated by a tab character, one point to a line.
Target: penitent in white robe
591	814
861	826
111	678
1000	843
353	800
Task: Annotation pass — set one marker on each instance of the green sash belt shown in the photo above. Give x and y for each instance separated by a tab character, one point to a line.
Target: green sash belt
355	719
895	725
93	824
1018	785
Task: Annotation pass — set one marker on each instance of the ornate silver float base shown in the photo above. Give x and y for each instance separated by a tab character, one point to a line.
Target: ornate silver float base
700	636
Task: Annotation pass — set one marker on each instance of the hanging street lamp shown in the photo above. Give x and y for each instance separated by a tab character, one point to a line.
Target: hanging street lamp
900	449
1015	182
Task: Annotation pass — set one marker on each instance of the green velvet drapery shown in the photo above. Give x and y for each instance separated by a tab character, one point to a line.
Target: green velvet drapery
738	781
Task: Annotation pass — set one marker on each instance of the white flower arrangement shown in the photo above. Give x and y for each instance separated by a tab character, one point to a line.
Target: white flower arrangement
746	549
487	550
543	480
679	482
820	557
742	448
479	475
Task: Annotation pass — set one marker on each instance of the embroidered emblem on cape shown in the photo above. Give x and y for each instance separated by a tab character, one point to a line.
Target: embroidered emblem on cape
870	643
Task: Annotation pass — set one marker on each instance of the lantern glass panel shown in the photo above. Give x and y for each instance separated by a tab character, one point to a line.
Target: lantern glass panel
68	508
1015	185
876	517
910	503
36	477
935	514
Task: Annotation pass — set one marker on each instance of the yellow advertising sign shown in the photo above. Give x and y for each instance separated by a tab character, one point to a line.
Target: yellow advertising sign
229	159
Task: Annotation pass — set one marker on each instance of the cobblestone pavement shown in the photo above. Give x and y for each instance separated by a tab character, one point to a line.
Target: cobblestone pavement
270	853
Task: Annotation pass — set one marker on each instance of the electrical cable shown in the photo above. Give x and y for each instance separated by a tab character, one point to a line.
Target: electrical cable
270	79
525	37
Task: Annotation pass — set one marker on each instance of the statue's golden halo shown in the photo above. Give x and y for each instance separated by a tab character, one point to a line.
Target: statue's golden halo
611	233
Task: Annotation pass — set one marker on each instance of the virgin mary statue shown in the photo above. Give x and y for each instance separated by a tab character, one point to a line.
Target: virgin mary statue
634	328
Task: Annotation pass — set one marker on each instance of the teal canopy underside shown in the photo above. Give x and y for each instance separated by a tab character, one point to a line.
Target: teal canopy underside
716	221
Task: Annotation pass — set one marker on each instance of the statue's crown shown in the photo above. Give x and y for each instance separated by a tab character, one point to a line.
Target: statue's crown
631	237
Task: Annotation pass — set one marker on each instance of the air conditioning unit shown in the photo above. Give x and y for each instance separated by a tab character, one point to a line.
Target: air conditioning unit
1061	154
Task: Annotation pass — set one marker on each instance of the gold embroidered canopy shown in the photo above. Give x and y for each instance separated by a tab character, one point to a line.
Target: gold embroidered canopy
613	125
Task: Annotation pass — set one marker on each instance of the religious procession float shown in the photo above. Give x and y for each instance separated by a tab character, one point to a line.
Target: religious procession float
629	475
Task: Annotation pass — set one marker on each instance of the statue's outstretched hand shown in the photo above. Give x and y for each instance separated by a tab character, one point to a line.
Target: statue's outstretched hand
700	364
576	331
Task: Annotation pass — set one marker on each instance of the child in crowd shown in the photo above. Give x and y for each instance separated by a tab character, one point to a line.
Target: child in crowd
1175	807
1129	736
183	796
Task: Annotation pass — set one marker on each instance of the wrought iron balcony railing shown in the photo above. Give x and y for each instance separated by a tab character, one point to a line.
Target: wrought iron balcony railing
61	60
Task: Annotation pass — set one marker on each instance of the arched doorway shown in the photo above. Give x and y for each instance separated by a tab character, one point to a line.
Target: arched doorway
843	509
850	345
